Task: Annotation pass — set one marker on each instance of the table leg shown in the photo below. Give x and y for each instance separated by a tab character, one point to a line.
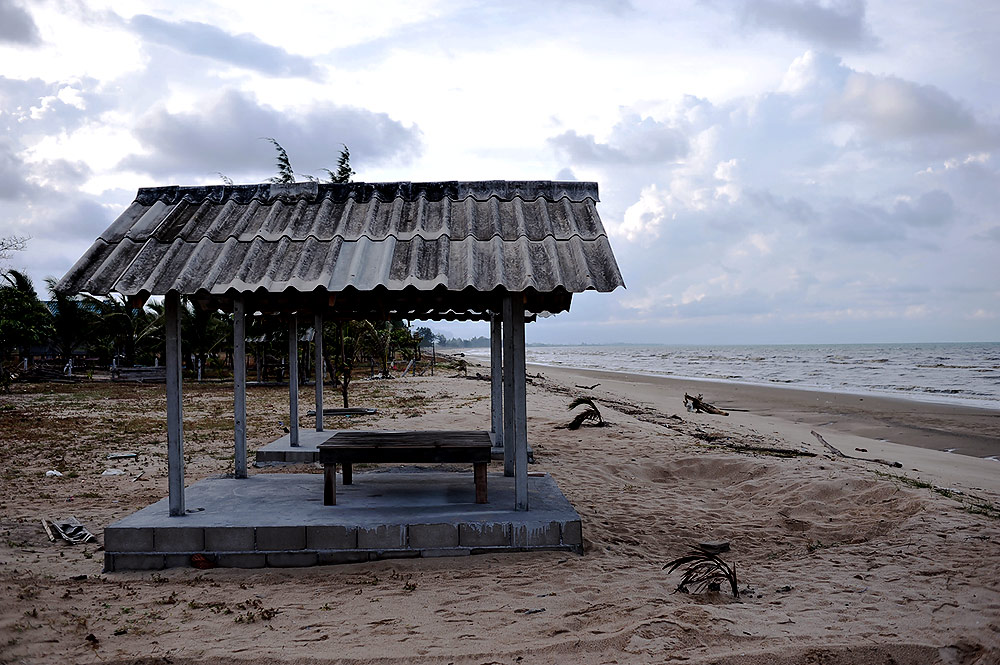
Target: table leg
348	475
329	484
479	473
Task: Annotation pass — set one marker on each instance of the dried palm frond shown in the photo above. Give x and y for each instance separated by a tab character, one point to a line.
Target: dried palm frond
591	413
704	571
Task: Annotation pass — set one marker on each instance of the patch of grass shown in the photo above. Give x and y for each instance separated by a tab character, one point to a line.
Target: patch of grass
970	504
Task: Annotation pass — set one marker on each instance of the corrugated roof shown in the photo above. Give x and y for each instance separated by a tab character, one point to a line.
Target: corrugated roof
393	239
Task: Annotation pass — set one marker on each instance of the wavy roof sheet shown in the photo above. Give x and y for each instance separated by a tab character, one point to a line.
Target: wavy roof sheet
398	240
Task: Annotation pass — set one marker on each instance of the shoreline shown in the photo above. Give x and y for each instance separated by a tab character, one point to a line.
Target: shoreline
963	430
945	445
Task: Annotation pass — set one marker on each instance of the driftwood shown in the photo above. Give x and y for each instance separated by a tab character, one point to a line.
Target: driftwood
587	387
837	453
698	405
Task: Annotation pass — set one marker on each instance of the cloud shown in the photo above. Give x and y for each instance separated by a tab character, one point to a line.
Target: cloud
208	41
224	136
794	206
840	24
14	175
16	25
644	217
42	108
633	140
888	107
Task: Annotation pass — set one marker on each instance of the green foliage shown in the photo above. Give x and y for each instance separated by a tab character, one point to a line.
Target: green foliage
134	335
285	173
425	335
204	332
73	320
344	172
24	320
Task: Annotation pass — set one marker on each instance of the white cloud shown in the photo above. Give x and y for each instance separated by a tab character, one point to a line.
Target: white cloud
794	169
643	218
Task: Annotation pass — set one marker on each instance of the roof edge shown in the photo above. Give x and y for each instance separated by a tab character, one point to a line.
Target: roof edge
361	192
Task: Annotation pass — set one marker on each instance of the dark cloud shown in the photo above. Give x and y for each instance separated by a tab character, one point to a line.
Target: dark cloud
71	218
854	222
224	136
634	140
208	41
14	172
16	25
834	25
792	208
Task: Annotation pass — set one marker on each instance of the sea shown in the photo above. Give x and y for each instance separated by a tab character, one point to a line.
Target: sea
955	373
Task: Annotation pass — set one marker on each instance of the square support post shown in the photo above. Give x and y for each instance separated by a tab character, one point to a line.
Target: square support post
507	396
240	386
496	378
520	406
318	343
175	416
293	381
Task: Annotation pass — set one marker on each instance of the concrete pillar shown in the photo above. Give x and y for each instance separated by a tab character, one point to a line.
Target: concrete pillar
293	380
507	398
318	342
240	386
175	416
496	378
520	406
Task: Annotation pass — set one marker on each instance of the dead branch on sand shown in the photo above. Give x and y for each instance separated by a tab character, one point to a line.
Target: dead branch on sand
698	405
591	414
837	453
704	572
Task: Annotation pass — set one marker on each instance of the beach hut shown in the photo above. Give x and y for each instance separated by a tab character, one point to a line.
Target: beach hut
498	251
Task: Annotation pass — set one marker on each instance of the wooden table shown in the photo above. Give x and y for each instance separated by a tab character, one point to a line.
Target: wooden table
438	446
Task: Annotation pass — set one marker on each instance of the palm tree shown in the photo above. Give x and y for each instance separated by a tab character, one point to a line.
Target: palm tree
24	320
73	321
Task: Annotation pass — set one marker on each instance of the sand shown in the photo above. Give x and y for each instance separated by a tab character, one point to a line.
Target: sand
839	560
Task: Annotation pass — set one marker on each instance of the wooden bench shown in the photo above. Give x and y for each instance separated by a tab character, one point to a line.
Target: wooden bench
377	447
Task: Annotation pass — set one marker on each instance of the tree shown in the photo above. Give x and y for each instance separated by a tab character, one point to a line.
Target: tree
285	173
426	335
73	321
10	244
344	171
126	331
24	320
203	332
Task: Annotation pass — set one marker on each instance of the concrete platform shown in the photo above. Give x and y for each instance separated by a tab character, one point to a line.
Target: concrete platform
279	520
281	450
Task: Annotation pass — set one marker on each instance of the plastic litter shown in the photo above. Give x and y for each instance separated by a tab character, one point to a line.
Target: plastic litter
52	473
113	472
71	530
122	455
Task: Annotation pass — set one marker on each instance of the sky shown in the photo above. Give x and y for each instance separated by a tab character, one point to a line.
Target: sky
809	171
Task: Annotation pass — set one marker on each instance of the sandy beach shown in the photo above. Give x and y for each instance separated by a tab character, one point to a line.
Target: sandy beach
840	560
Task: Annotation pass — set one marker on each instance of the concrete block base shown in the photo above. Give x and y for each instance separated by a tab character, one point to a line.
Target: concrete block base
279	520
